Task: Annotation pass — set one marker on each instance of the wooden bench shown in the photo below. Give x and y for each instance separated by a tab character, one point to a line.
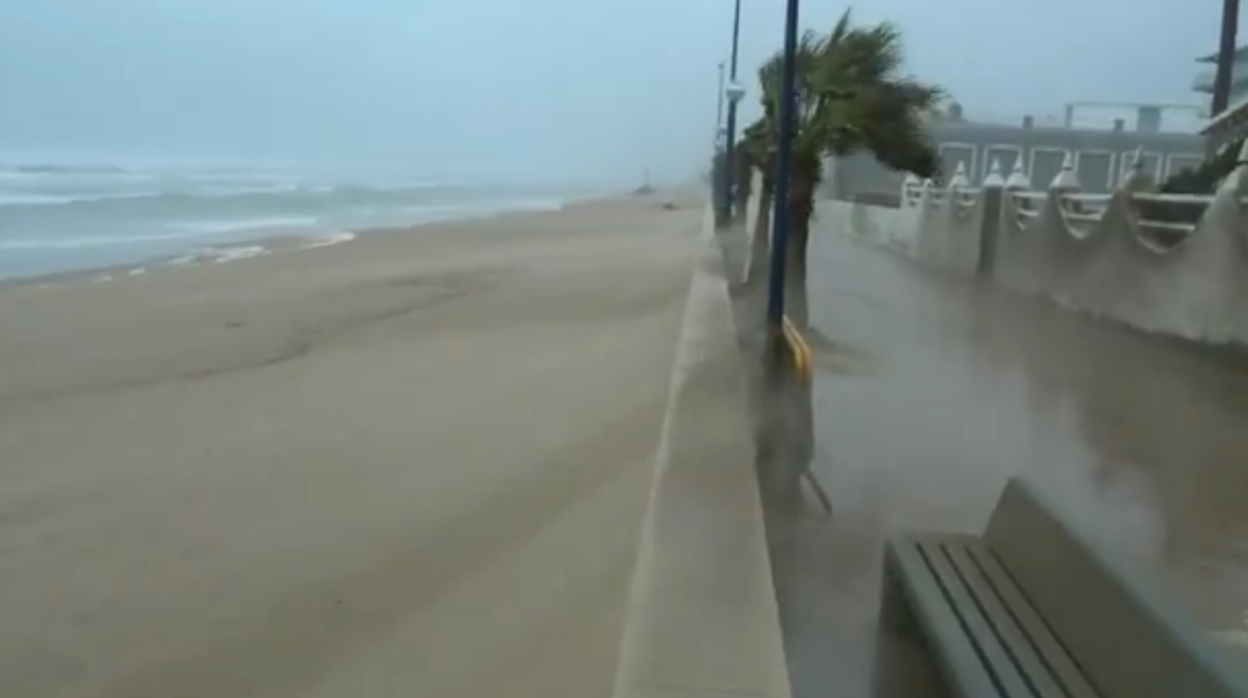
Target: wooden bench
1031	608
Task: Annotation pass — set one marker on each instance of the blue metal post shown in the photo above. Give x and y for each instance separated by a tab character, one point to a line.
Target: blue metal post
730	170
784	166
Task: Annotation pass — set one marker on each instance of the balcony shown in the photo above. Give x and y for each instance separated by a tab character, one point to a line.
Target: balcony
1203	82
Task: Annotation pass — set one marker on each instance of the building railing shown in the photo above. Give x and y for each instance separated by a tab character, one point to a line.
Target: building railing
1078	208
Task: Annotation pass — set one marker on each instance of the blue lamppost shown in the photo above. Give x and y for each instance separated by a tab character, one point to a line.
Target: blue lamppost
784	166
734	92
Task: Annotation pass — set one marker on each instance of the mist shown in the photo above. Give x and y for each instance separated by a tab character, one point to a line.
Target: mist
555	91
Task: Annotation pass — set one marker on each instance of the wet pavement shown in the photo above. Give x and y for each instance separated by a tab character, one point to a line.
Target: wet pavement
932	389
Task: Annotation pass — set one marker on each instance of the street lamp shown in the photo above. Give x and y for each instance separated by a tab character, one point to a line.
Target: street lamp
784	165
734	92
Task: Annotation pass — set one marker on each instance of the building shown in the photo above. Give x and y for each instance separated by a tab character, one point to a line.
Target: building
1102	153
1203	82
1231	124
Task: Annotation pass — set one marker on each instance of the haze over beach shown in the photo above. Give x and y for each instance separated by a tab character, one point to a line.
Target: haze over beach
58	216
146	129
150	130
338	350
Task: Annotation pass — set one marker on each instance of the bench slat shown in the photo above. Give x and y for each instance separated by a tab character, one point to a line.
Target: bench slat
958	660
988	645
1051	650
1017	641
1033	610
1131	639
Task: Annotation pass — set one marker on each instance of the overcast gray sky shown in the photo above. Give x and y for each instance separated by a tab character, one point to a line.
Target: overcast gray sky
567	89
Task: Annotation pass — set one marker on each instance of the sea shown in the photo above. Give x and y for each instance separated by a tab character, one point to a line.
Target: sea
68	215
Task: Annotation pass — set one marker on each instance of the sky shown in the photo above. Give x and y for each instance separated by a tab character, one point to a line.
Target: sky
549	90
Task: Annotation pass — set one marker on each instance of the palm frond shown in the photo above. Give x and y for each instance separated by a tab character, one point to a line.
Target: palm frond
852	95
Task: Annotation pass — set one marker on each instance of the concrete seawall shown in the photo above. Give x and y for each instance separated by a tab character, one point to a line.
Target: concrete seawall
1091	253
702	617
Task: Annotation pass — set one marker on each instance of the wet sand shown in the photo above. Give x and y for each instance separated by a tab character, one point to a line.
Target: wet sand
932	390
414	464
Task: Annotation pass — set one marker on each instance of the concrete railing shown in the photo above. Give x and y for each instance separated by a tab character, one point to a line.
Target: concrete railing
1097	253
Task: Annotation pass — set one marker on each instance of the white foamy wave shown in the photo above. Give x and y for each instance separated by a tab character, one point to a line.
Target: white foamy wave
218	255
210	227
17	198
328	241
233	254
71	243
206	192
186	230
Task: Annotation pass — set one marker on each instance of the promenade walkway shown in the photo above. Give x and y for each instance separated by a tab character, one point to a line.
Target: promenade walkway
932	389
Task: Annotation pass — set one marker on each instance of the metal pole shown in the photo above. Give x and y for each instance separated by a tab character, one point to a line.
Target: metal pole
784	164
730	148
1226	57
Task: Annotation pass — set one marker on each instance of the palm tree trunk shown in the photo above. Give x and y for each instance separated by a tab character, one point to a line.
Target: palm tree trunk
801	208
797	299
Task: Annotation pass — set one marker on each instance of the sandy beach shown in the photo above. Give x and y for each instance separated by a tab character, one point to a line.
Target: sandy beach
410	465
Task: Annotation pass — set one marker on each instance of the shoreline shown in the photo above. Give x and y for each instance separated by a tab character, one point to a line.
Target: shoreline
275	242
203	257
263	246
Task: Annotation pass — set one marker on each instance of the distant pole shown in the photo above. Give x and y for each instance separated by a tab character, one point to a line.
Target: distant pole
1226	58
717	180
719	107
784	165
734	96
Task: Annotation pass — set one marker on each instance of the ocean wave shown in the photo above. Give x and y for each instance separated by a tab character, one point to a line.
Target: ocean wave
213	227
114	191
59	168
338	238
80	242
55	217
286	197
33	199
52	197
219	255
176	231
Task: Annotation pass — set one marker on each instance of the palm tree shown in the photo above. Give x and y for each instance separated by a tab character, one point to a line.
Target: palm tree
851	96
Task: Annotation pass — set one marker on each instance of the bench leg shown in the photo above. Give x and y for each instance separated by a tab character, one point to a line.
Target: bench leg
904	668
896	616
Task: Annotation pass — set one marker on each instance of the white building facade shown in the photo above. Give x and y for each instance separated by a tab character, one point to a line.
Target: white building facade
1231	124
